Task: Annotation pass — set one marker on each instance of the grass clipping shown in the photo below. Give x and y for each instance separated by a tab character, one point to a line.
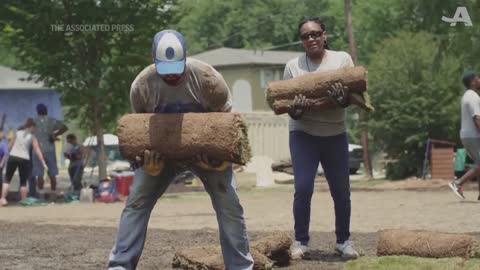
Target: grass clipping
314	86
222	136
267	252
427	244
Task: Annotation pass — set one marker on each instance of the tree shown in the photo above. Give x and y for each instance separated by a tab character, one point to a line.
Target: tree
88	50
353	52
416	97
208	24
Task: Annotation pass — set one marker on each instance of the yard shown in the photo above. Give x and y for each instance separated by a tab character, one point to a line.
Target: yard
62	236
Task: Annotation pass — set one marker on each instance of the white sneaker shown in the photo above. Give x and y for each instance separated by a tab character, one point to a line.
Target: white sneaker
346	250
456	189
297	250
3	202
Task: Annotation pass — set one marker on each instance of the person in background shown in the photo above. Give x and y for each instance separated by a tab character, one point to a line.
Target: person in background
3	156
75	153
470	129
47	131
19	157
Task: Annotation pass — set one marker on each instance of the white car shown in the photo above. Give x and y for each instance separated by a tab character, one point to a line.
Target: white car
115	162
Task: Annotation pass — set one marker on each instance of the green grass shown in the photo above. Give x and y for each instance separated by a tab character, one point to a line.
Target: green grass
473	264
410	263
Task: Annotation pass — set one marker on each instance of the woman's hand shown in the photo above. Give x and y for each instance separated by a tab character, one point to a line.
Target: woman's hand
339	94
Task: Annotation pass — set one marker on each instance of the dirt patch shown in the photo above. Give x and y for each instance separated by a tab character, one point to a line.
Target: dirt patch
28	246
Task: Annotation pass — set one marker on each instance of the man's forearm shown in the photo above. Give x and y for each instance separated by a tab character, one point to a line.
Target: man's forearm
60	131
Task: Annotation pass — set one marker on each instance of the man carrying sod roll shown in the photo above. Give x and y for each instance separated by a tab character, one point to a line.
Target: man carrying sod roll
174	84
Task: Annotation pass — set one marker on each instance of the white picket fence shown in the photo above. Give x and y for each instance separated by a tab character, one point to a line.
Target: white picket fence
268	134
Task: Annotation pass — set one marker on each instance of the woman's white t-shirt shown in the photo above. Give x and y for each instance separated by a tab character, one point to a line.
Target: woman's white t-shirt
22	144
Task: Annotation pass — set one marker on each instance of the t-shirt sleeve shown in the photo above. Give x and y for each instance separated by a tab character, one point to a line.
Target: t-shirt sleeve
137	101
216	94
4	148
473	105
347	62
287	73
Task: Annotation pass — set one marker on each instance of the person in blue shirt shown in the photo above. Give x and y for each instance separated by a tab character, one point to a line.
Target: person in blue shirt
75	153
3	156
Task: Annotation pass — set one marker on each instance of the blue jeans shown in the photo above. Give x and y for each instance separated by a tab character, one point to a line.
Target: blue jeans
145	192
332	152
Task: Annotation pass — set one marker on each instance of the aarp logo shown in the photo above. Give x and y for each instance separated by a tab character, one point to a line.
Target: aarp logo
461	16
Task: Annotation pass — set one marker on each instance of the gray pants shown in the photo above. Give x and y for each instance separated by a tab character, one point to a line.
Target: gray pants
472	146
145	192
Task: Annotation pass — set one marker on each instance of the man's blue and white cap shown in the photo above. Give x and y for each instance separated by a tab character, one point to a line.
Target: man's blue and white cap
169	52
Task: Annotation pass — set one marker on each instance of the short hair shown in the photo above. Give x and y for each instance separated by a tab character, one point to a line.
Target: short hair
468	77
29	123
42	109
71	136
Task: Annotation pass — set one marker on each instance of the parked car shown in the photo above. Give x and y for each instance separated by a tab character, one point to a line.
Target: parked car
115	162
355	156
355	159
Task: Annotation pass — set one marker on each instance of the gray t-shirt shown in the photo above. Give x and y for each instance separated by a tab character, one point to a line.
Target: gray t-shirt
319	123
202	90
470	108
44	127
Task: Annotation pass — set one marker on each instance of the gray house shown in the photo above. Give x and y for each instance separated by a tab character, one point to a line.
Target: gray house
247	73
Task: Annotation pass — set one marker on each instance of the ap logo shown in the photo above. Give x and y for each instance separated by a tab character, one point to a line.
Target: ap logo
461	16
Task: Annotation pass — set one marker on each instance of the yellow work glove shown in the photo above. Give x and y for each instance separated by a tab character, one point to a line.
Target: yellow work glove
152	163
203	162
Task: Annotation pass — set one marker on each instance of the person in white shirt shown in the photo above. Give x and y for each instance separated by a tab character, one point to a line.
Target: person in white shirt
19	157
470	129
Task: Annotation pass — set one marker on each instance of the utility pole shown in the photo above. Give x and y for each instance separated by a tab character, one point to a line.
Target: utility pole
363	118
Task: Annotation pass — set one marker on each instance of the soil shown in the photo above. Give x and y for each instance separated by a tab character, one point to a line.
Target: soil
80	236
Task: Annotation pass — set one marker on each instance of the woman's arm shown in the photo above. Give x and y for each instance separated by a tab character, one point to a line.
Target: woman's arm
11	142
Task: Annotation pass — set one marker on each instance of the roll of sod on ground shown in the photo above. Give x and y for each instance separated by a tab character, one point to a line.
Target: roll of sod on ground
222	136
427	244
314	86
268	252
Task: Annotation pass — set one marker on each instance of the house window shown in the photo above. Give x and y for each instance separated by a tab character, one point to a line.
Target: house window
268	75
242	96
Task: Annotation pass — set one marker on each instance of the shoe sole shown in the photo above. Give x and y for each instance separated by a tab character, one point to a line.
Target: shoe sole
298	256
345	256
455	191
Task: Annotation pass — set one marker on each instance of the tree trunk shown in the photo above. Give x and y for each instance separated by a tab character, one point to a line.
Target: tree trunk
98	130
363	123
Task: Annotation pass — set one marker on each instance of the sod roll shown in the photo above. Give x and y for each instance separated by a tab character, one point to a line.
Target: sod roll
314	86
426	244
222	136
268	252
210	258
275	247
